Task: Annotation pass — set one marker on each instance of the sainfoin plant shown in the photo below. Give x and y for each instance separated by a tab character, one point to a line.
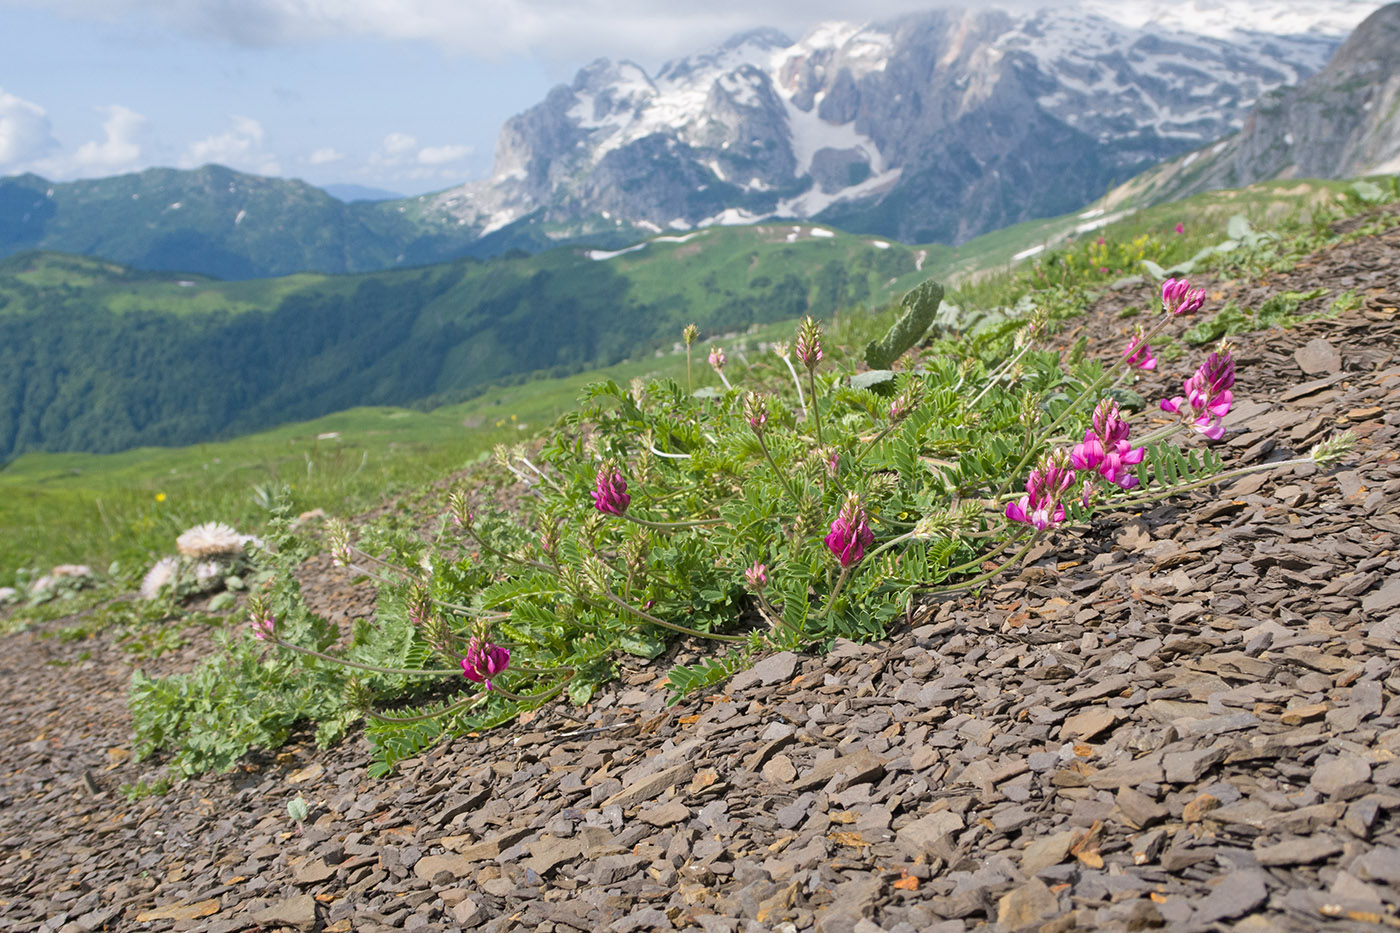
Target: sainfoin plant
758	516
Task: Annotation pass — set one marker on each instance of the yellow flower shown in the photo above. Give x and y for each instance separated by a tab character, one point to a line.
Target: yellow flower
160	497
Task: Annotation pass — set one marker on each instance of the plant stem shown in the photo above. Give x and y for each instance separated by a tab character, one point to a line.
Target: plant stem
405	672
782	477
405	720
691	524
982	578
724	379
797	382
1158	493
836	590
816	412
681	629
996	374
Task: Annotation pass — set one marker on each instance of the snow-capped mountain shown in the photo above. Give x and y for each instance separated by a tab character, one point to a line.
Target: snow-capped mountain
1342	122
930	127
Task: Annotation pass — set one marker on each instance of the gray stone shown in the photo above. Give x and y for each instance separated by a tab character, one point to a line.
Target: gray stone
1030	903
1318	356
666	814
773	669
612	868
468	913
1189	767
298	911
1384	599
1297	851
1238	893
1380	864
1345	776
650	786
919	837
1045	851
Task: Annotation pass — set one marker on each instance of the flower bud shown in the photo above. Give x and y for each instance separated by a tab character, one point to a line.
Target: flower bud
757	577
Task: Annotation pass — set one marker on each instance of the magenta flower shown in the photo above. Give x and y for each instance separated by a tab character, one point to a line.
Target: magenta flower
757	577
484	660
1178	297
1180	228
610	490
1208	396
1139	354
1040	507
264	627
850	533
1106	449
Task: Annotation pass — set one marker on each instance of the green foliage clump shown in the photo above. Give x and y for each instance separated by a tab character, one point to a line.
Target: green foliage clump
763	516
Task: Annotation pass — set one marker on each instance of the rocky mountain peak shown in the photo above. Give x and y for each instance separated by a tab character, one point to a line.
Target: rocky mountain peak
930	126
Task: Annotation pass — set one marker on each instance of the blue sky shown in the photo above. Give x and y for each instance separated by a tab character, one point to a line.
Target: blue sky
404	95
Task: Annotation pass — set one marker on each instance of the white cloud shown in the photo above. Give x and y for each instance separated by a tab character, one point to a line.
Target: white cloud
241	147
120	150
565	30
325	156
441	155
399	145
25	132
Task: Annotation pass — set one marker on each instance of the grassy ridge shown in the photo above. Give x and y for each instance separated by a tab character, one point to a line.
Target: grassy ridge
97	357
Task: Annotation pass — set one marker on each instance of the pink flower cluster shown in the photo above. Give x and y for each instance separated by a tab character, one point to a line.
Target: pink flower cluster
850	533
484	660
1041	507
1178	297
610	490
1106	449
1207	396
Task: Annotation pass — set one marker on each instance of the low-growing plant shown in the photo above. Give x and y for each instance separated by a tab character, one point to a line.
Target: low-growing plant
795	507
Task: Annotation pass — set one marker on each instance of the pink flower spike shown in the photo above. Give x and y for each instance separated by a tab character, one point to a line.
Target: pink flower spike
717	358
610	490
483	661
1207	397
850	533
1180	228
757	577
1178	297
1139	354
1040	507
265	628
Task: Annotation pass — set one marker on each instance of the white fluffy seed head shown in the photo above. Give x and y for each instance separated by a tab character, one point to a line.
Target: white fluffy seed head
158	577
212	539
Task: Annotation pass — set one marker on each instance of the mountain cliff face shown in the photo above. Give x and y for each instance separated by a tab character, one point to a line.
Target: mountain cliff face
933	127
1341	122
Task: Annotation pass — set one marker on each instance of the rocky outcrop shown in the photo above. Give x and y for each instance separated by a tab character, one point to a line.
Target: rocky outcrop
1342	122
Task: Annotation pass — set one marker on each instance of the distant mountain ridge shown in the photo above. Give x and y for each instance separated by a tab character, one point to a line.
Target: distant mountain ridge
229	224
932	127
1342	122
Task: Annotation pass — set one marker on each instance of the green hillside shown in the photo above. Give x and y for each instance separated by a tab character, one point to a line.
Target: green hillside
98	357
